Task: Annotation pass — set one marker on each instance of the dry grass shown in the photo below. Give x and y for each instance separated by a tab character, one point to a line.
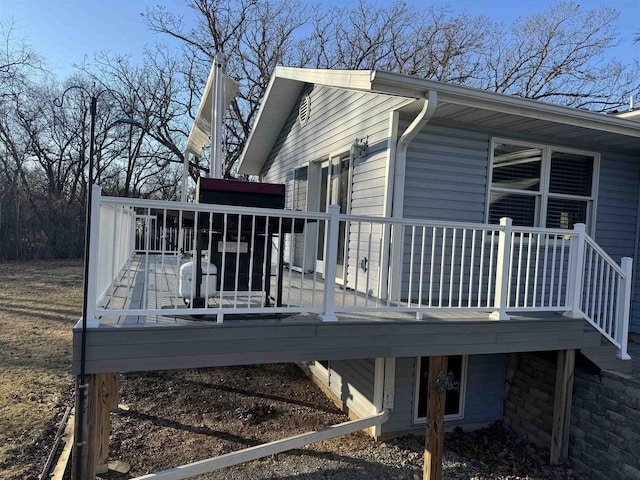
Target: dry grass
39	304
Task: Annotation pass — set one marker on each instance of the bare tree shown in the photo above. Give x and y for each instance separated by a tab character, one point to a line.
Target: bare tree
559	55
253	35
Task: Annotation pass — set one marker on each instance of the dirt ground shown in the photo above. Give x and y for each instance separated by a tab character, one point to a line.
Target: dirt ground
39	304
175	417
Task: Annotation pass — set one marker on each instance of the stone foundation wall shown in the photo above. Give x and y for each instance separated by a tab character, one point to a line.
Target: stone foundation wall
529	396
605	425
605	416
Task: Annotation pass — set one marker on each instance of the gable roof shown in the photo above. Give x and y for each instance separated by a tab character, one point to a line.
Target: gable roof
458	104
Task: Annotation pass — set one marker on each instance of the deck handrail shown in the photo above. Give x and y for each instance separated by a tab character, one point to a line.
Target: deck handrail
434	265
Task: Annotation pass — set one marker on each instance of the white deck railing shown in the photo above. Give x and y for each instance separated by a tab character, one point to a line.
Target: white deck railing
282	261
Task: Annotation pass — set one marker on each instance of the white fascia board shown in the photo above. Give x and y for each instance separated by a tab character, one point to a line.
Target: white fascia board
350	79
282	92
630	115
497	102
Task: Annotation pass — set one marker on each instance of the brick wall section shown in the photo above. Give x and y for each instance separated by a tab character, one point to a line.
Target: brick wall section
529	393
605	425
605	416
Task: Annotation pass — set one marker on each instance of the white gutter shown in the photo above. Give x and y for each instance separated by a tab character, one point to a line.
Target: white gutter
271	448
398	84
397	208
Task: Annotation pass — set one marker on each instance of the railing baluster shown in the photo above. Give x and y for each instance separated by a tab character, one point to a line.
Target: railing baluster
483	241
442	260
292	257
421	279
252	247
451	272
600	288
489	282
432	267
462	255
357	266
471	265
519	270
528	271
368	272
411	260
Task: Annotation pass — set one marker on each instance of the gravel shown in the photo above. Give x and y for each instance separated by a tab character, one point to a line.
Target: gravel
184	416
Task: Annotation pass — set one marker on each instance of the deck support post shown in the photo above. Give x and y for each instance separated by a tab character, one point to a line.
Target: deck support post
562	406
97	397
503	271
434	441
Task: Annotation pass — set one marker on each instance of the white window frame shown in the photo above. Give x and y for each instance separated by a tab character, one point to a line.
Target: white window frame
463	390
545	175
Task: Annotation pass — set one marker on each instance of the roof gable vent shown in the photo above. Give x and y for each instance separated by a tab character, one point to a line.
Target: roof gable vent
304	110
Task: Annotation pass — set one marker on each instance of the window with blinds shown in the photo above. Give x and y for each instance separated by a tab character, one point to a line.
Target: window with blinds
539	185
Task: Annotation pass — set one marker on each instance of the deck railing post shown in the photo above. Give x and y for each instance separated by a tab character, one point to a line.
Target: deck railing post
503	270
94	247
331	264
575	277
623	309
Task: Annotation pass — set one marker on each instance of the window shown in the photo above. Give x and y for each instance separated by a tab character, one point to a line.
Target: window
541	185
454	401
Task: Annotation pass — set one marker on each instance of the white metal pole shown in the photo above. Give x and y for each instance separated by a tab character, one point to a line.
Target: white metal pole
217	105
185	176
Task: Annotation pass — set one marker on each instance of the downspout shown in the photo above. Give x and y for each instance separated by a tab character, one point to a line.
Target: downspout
397	207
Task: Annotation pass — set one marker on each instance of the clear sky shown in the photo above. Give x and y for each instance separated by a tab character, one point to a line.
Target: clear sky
66	31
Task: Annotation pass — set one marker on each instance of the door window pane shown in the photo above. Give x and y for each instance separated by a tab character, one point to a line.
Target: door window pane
452	400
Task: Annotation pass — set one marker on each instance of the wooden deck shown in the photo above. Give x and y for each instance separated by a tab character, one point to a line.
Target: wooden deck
134	343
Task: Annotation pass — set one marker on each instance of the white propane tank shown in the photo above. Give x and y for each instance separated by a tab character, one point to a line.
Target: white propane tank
188	284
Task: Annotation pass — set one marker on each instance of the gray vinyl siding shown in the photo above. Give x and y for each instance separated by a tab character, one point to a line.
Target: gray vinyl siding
485	389
446	179
337	118
446	175
484	393
352	382
617	213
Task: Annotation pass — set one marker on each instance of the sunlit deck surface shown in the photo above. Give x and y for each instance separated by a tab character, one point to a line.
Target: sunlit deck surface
134	343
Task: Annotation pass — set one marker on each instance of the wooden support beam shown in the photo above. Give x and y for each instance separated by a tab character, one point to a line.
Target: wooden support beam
100	393
434	442
562	406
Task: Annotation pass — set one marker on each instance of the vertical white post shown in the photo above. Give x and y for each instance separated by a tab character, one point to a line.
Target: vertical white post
94	244
503	270
217	106
575	278
330	266
624	305
185	176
